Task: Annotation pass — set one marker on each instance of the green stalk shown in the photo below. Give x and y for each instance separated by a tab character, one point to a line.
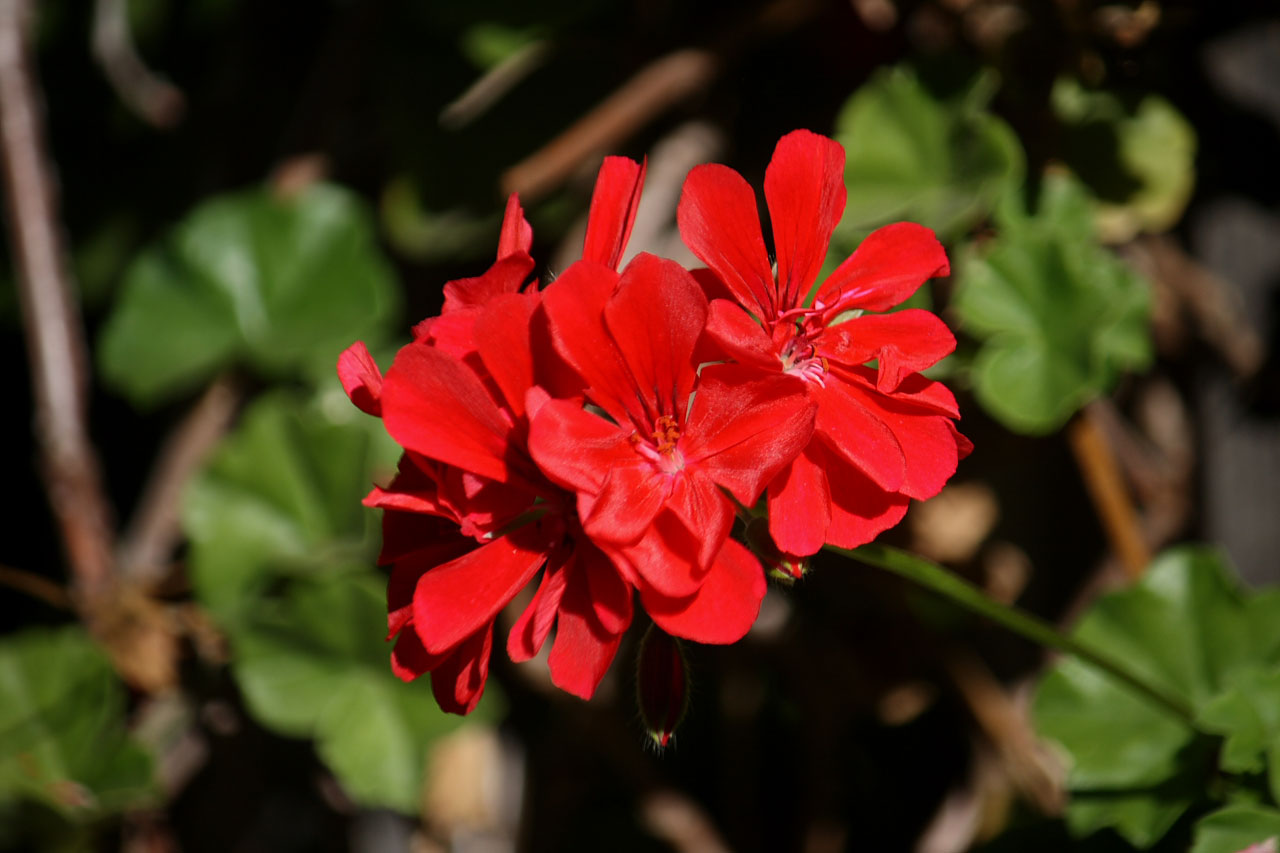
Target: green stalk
952	587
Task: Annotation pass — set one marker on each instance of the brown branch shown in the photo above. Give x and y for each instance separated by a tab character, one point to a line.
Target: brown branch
154	99
55	339
1107	489
35	586
661	84
155	529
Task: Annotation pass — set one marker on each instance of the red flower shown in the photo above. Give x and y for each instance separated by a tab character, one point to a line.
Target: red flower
885	434
649	471
459	400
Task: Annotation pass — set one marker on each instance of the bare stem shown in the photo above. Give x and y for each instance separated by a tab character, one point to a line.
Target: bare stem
154	99
952	587
1107	488
55	339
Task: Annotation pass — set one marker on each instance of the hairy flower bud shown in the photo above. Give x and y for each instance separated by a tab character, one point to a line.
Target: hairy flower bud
662	684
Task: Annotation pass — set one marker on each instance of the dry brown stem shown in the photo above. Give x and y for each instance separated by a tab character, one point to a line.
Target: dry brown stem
152	98
1107	488
55	339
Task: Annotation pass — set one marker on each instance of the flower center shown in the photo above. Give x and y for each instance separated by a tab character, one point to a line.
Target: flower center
661	449
800	358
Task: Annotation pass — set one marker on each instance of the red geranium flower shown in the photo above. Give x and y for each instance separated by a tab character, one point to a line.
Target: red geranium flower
885	434
649	467
458	400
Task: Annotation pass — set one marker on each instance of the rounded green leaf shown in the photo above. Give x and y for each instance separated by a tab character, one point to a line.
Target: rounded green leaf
1139	158
313	663
280	496
1235	829
63	739
1188	628
275	283
912	156
1059	317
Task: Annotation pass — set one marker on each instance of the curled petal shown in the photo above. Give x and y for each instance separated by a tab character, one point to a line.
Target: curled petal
458	681
517	235
614	203
361	378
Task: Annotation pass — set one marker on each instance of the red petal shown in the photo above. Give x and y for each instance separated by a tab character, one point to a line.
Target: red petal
614	202
744	428
610	594
517	235
737	336
452	601
655	318
724	607
502	340
633	493
701	507
886	269
928	443
719	223
361	378
804	186
435	405
458	682
576	448
903	343
574	304
583	649
505	276
409	659
854	433
535	623
800	505
663	559
860	510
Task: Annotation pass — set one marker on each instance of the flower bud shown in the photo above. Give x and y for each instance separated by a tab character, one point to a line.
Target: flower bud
781	566
662	684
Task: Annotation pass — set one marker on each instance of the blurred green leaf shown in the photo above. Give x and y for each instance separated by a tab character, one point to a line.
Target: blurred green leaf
63	740
1235	828
911	156
1139	160
313	663
281	497
277	283
1187	628
1060	316
1248	714
489	43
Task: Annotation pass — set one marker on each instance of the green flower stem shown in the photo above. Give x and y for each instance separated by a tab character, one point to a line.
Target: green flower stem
952	587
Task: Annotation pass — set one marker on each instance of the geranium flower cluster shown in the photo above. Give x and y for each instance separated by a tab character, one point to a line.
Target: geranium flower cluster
604	430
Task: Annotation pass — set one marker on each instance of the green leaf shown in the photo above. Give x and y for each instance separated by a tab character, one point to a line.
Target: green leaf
1248	714
280	496
313	663
274	283
1235	828
1059	316
63	740
912	156
1139	159
1187	628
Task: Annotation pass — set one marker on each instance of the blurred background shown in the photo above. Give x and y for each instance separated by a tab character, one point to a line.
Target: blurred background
245	188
